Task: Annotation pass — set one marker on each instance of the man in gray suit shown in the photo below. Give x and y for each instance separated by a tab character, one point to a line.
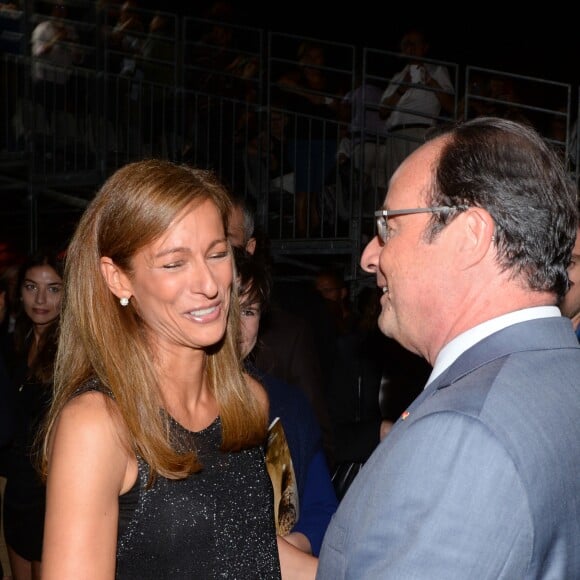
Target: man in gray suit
480	477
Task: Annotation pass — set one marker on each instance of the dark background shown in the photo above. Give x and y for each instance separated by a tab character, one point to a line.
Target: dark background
542	43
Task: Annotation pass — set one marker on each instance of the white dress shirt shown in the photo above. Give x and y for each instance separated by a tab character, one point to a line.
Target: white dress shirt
453	349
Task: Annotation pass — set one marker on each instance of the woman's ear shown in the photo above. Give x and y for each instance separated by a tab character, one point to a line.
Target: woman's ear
117	281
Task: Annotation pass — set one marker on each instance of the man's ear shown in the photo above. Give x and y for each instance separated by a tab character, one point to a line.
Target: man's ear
251	245
117	281
478	237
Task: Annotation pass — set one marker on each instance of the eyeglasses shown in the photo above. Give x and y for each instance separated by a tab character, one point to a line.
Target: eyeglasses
383	214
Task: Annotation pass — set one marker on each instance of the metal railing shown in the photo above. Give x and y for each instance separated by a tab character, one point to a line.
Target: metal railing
229	98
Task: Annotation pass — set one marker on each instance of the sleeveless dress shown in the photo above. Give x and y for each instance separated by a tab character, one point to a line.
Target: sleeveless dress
217	523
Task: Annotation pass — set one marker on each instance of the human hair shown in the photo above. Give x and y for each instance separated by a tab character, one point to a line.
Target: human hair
506	168
254	278
42	367
261	250
248	213
104	341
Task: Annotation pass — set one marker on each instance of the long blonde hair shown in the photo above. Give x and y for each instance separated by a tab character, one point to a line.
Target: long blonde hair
100	339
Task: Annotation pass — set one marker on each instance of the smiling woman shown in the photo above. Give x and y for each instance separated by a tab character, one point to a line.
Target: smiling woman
182	278
153	449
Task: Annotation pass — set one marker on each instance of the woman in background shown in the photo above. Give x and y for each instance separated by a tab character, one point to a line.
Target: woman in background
35	339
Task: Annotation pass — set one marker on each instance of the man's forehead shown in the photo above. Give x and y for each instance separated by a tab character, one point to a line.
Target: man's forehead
412	179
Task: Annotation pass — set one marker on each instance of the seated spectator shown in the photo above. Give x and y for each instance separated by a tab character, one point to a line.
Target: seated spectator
215	50
159	51
269	168
414	100
313	96
125	59
55	49
127	37
12	27
492	94
363	145
221	67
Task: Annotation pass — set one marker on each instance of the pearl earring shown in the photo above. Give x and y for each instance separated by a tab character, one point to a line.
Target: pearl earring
124	301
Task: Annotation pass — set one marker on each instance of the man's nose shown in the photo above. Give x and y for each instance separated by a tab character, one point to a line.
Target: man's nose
370	256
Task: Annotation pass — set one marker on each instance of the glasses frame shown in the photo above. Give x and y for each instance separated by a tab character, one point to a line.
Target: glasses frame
383	214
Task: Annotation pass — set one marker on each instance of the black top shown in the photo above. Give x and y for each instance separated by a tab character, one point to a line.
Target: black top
217	523
24	495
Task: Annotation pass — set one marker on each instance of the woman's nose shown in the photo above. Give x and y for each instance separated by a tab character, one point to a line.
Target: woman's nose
203	280
41	296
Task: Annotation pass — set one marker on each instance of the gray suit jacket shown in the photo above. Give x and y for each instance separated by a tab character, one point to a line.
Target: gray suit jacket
482	479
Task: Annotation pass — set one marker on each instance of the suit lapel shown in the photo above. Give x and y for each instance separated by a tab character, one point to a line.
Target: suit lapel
520	337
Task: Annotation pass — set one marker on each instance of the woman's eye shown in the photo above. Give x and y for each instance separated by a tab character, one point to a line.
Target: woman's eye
219	255
54	289
30	287
173	265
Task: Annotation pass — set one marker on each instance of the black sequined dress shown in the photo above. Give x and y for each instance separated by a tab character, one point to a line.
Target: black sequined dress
217	523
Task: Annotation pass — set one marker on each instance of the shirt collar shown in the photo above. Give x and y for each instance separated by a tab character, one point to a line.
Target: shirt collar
456	347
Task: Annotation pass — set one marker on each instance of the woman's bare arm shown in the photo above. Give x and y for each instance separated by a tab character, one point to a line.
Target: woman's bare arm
89	466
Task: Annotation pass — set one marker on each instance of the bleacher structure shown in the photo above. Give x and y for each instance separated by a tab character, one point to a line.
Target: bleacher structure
208	93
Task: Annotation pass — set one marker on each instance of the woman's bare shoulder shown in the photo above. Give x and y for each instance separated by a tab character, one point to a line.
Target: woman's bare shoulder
90	419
